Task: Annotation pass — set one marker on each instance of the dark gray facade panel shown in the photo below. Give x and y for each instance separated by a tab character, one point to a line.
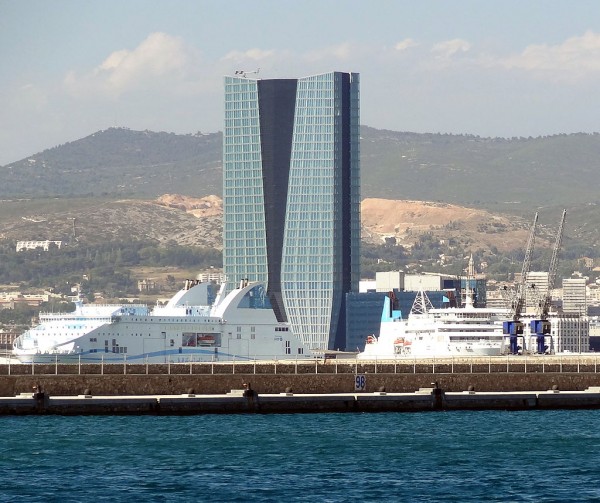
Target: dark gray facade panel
276	102
346	209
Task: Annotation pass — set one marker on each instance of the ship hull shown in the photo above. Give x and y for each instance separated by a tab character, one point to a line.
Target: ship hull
242	327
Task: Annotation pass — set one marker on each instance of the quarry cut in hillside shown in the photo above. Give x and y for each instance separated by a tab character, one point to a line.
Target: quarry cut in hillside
209	206
404	221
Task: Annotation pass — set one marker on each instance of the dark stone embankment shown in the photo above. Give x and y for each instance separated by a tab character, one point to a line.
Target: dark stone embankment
124	385
483	374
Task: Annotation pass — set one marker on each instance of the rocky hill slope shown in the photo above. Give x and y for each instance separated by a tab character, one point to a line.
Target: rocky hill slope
162	220
198	221
108	178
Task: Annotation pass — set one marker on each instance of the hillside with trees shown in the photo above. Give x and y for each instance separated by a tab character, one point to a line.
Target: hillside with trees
508	175
100	196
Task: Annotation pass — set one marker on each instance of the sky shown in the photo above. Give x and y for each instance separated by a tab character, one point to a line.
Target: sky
69	68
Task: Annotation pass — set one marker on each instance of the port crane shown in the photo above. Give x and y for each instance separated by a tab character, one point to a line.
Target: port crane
514	327
540	327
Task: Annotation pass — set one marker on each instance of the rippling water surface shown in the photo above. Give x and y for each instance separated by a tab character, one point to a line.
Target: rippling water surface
534	456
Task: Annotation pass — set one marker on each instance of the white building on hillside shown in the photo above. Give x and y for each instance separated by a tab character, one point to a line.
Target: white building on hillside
32	245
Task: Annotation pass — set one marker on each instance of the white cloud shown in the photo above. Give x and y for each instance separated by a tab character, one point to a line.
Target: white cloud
158	56
114	60
252	54
575	57
448	48
339	52
342	51
405	44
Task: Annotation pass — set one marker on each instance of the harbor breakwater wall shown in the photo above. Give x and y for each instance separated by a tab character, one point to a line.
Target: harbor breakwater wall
187	388
307	377
168	384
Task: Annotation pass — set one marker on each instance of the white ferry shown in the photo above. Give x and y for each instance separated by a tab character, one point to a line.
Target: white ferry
431	332
240	326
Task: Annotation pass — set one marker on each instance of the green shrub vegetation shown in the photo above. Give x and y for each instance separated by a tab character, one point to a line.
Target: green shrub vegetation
104	267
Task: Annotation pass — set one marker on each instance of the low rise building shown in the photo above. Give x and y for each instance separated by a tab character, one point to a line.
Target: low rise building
9	300
33	245
570	333
211	276
7	337
146	285
426	281
386	281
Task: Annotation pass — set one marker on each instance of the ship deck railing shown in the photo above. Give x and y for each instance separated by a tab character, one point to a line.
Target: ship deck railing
581	363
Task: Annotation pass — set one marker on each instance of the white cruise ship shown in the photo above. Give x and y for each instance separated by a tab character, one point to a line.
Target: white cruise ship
431	332
240	326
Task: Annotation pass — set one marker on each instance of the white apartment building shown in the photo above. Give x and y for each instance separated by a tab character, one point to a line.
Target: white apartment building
570	333
206	277
574	296
32	245
537	288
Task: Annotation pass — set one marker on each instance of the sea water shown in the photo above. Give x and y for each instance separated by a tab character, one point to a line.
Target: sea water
534	456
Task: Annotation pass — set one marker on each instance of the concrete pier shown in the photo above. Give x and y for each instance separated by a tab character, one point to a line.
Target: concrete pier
248	402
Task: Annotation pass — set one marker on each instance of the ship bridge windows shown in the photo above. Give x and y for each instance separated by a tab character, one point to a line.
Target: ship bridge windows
484	330
475	338
255	298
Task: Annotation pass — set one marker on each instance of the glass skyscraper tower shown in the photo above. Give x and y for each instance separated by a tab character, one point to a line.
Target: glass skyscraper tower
291	197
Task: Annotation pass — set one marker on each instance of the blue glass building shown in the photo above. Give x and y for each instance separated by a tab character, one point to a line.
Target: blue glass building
291	197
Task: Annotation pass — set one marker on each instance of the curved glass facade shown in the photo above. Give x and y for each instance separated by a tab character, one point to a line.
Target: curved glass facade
292	197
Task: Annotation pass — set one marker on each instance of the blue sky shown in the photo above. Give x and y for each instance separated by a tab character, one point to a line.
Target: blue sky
508	68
